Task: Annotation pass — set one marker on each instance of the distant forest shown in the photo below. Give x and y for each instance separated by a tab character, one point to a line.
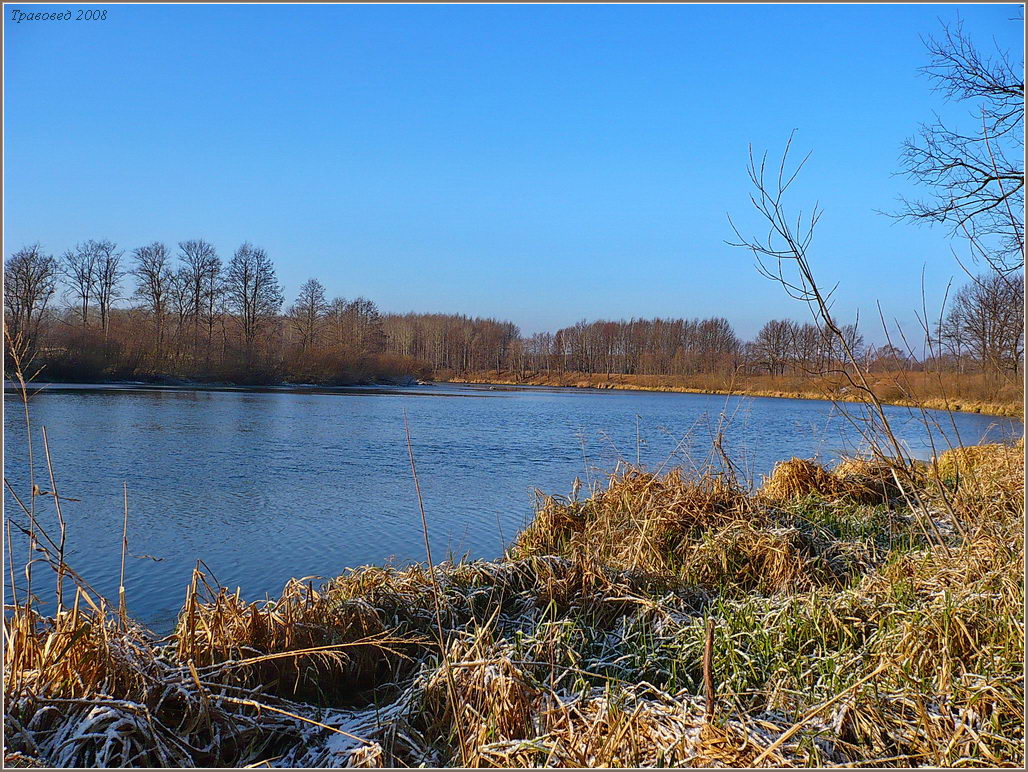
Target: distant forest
100	312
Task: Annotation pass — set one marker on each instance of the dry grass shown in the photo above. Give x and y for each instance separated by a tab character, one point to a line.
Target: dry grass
844	635
84	690
305	645
797	479
743	559
985	471
967	392
641	521
870	481
855	480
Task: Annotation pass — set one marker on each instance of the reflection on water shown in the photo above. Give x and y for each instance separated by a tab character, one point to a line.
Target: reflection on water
264	485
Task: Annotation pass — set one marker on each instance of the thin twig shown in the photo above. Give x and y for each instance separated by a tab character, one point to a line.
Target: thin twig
436	595
60	520
124	549
708	672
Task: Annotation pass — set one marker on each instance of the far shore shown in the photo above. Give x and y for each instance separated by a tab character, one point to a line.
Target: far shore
748	387
177	383
755	387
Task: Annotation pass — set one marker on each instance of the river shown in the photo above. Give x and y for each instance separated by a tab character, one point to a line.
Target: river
264	485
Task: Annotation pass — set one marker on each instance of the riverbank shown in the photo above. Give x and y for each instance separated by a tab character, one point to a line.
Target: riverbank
971	394
967	395
187	383
844	616
13	387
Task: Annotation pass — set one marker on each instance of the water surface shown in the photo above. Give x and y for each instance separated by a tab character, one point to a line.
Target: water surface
266	485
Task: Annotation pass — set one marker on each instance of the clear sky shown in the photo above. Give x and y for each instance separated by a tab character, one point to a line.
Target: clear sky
541	164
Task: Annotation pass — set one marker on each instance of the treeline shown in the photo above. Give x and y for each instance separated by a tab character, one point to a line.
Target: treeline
453	343
100	312
679	347
684	347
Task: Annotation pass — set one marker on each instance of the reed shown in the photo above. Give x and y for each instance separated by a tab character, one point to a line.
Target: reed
966	392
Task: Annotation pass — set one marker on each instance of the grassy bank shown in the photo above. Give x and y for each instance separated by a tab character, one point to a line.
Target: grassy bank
973	393
844	616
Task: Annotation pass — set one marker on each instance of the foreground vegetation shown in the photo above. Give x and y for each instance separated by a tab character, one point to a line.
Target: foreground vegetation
868	615
971	392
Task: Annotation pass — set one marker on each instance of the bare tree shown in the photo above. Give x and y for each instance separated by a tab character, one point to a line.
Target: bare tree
811	348
108	275
308	313
79	267
986	320
253	292
153	274
849	340
773	345
180	306
30	280
366	325
336	318
716	344
202	278
539	349
887	358
975	174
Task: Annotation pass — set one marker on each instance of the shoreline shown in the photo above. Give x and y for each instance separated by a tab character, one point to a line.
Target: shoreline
1003	410
13	386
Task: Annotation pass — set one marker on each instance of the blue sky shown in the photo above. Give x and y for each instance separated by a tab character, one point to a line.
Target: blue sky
536	163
